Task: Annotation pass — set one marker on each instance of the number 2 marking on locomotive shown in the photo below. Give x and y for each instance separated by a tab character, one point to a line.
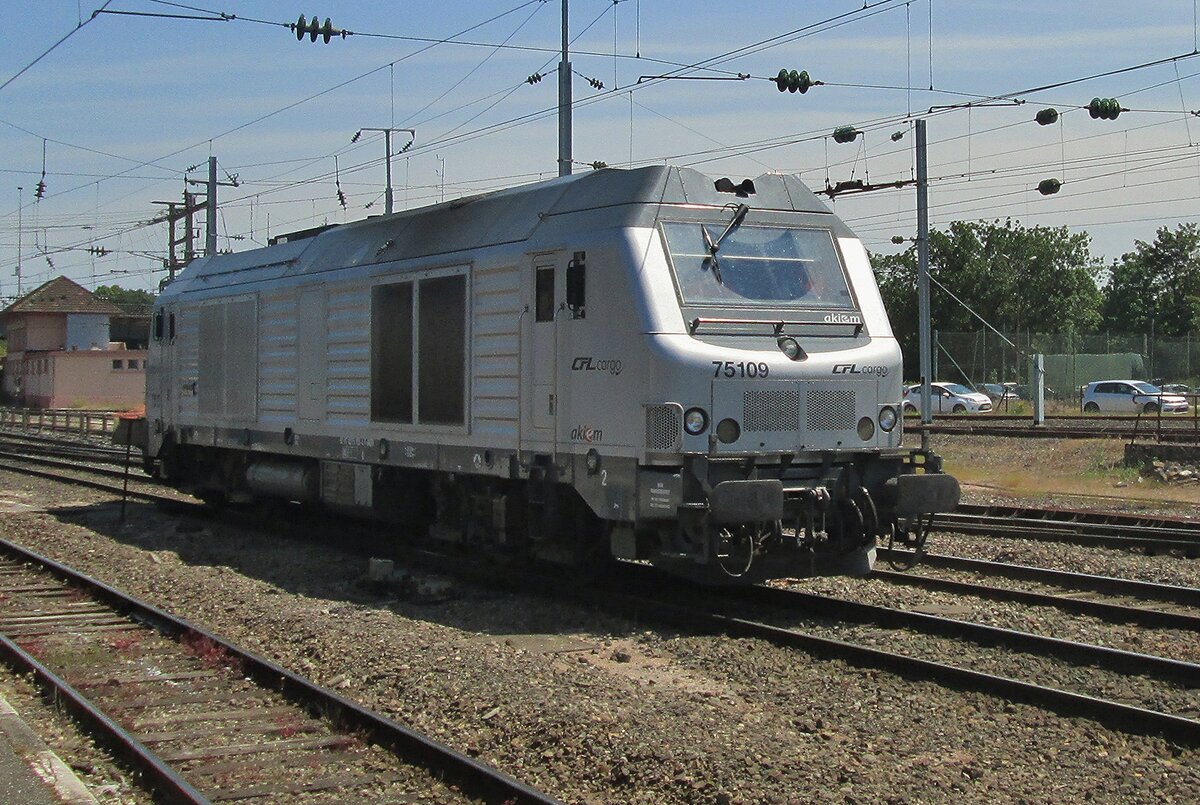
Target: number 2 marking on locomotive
604	477
740	369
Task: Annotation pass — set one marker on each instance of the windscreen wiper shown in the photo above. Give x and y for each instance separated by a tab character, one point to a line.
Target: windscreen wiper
712	253
712	246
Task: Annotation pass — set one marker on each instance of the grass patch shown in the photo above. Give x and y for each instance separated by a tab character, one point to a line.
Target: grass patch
1042	468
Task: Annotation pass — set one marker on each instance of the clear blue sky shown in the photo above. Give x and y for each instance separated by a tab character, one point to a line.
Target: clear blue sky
127	104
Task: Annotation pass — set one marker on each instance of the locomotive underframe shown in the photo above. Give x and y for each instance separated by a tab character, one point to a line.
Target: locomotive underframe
714	517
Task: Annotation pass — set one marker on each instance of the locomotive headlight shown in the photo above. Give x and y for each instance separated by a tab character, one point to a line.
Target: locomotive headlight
790	347
695	421
866	428
887	418
728	431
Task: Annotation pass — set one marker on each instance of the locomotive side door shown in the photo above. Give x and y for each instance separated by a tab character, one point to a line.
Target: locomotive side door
311	356
541	350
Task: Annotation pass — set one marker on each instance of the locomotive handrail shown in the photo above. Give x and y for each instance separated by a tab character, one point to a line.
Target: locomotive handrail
777	324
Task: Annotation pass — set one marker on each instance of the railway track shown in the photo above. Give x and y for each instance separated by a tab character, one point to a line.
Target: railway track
1094	529
860	633
1112	599
1107	694
206	721
1171	428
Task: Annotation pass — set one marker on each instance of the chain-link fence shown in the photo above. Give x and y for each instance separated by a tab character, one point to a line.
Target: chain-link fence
1072	360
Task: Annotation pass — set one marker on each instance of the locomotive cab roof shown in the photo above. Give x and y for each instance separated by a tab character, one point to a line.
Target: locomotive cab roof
555	210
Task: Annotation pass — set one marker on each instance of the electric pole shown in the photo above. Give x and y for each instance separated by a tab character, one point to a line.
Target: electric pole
20	204
564	102
923	280
210	239
210	203
387	145
176	212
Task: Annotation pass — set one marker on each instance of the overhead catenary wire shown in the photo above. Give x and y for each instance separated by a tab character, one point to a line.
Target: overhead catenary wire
718	153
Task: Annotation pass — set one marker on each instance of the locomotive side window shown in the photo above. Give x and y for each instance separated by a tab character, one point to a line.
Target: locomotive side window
419	351
158	326
392	353
442	350
758	265
544	294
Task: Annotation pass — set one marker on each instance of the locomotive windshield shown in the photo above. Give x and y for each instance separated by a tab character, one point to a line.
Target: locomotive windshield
757	265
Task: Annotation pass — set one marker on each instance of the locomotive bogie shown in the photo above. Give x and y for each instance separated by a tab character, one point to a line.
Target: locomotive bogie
630	364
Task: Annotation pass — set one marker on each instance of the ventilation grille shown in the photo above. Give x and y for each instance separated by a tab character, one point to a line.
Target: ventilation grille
777	410
664	423
831	409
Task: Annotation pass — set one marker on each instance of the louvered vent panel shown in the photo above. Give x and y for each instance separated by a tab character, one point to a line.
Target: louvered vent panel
831	409
663	426
777	410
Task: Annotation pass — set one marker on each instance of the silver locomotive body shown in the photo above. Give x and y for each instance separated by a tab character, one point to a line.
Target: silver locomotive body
647	364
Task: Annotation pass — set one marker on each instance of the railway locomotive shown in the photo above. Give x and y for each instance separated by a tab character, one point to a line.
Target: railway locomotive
644	364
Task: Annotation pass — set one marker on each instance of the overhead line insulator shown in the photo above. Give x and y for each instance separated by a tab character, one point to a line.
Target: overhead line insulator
1047	116
1105	108
845	134
1048	187
314	28
792	81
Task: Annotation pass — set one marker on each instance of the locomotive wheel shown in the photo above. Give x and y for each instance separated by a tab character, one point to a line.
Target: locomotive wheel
735	550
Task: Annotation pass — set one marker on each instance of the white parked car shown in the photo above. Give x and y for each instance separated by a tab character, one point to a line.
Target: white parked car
1130	397
948	398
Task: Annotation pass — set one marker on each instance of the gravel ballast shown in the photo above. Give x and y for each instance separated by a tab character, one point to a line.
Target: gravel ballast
590	707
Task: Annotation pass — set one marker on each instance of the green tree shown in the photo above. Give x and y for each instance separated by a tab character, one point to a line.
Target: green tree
896	275
1156	287
124	296
1016	278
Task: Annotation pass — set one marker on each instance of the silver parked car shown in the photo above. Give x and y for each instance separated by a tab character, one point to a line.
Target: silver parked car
948	398
1130	396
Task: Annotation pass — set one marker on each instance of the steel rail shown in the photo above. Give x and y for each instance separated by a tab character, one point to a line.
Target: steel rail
1108	585
1110	659
1118	716
97	468
1061	532
1184	526
474	778
1123	717
1153	618
64	447
166	782
103	487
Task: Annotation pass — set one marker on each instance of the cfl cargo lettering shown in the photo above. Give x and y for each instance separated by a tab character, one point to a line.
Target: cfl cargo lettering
588	364
855	369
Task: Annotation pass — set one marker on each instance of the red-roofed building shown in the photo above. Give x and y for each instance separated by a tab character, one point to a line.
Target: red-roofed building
59	355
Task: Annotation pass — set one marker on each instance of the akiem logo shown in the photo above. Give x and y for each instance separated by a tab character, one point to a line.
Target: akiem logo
585	433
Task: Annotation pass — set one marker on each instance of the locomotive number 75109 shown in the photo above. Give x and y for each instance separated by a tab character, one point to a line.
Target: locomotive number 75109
740	369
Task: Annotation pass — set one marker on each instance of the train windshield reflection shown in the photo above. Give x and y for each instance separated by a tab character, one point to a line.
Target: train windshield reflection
759	265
